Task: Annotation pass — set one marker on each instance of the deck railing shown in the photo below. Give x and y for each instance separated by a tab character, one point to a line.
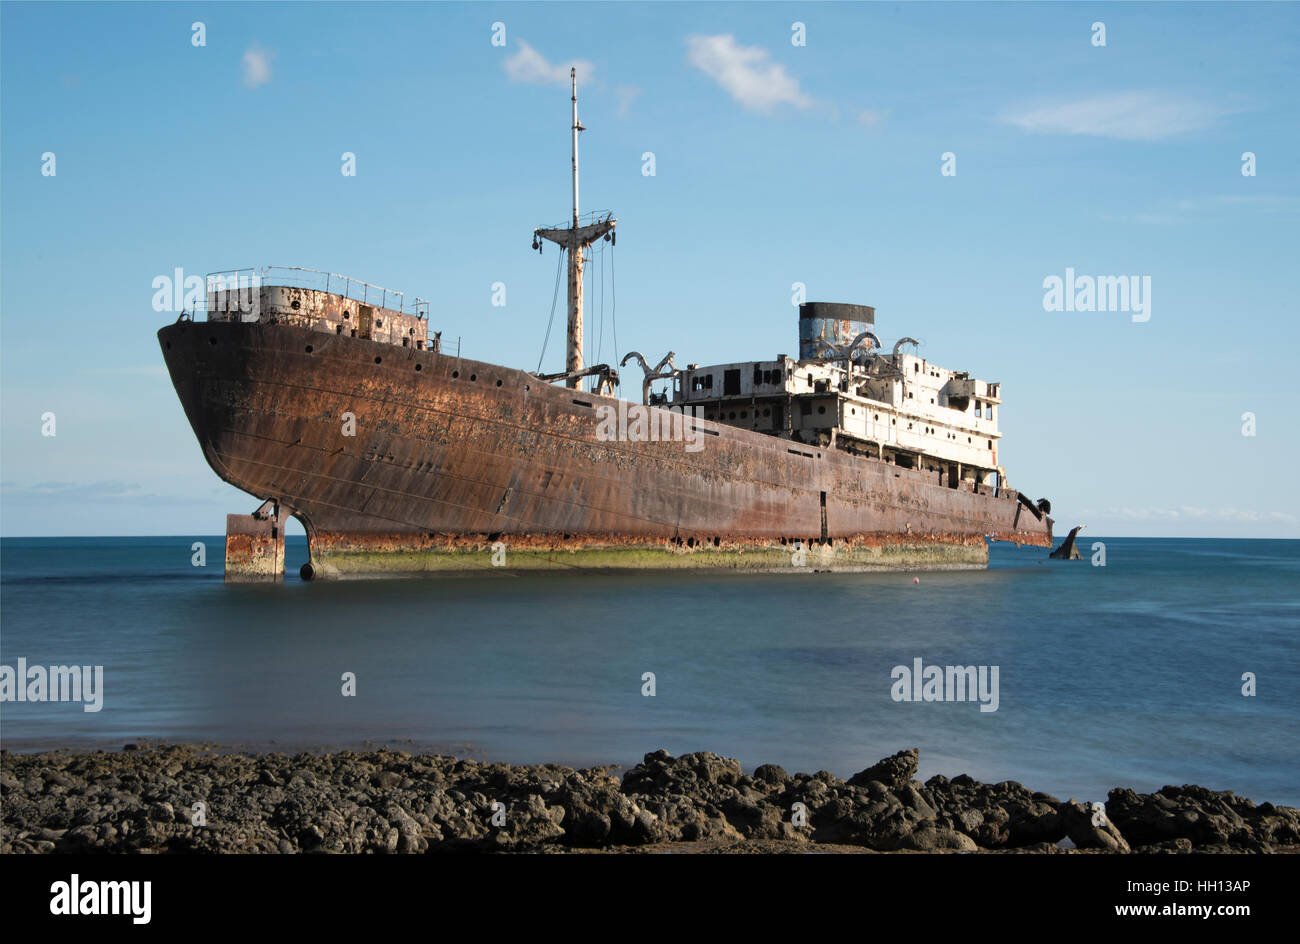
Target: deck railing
248	279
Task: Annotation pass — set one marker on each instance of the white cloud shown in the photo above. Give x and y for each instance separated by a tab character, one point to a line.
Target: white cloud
745	73
1128	116
526	64
257	66
870	117
1265	202
626	95
1188	210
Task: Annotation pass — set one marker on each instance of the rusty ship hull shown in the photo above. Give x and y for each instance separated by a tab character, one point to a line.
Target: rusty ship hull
456	464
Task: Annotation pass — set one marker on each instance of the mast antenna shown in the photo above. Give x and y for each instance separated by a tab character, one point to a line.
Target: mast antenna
574	239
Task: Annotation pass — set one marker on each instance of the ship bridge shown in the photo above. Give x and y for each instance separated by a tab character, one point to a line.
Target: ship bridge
896	407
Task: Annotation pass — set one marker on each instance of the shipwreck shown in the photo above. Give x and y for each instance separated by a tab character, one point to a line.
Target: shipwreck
329	400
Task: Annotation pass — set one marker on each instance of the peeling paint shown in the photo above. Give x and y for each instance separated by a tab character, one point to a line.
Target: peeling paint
451	455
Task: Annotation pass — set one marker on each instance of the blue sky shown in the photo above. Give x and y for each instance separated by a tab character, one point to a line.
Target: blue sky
775	164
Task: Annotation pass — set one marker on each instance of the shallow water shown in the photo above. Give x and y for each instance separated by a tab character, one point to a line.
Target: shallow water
1128	674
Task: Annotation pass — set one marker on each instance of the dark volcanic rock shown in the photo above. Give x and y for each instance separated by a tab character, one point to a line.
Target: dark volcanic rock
893	772
1203	817
996	815
184	799
771	774
1090	828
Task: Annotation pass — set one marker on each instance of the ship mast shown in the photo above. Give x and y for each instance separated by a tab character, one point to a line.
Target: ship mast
574	239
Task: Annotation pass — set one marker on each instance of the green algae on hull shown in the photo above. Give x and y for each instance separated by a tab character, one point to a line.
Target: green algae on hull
814	558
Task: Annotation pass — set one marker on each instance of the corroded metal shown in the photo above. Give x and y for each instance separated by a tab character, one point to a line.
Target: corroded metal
1068	550
831	323
664	370
451	456
255	545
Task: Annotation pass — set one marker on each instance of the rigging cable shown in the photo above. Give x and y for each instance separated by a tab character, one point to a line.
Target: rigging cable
554	298
600	349
590	273
613	300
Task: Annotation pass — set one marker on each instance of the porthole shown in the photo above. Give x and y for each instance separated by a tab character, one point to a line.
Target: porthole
295	304
455	374
419	367
379	360
473	376
498	383
308	348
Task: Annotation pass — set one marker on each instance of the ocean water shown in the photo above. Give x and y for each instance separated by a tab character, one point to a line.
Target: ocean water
1124	675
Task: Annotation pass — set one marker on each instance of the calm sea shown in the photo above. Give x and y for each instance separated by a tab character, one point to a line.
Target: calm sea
1124	675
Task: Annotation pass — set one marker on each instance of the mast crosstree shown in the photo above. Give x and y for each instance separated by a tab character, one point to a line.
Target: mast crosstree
574	239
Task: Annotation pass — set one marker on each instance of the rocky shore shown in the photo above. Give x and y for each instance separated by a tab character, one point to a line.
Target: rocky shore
188	799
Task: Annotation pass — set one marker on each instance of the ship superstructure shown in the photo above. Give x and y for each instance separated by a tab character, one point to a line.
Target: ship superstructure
329	400
895	407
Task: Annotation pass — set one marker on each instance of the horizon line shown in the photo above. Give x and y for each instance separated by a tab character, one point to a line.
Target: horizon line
192	534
